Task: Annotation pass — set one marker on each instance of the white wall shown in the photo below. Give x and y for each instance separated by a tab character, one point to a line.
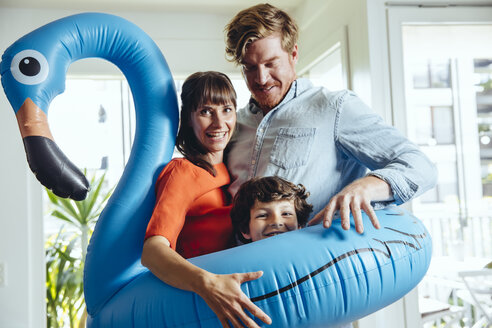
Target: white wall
320	22
190	42
21	229
364	23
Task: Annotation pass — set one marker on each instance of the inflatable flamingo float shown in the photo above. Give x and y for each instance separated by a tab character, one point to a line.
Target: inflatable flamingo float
312	277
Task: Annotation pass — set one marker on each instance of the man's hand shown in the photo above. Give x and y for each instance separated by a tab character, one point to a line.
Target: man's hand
354	197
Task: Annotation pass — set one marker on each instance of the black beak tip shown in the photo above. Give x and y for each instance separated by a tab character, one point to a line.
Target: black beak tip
80	193
54	170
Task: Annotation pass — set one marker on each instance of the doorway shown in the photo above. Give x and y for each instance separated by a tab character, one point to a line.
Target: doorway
441	76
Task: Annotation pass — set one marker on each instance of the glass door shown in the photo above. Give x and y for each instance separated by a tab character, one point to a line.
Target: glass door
441	73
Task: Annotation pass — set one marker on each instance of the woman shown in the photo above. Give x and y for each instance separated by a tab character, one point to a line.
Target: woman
191	216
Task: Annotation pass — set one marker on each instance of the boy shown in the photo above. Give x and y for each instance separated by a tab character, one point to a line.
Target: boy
267	206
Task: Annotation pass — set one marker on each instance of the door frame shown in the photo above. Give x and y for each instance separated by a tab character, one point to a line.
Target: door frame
396	16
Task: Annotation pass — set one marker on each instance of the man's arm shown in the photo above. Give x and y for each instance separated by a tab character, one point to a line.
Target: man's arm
399	170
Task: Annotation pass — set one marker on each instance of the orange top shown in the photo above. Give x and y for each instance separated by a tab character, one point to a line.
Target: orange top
191	210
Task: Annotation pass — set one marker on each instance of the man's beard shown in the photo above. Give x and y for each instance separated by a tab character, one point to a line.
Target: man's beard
268	102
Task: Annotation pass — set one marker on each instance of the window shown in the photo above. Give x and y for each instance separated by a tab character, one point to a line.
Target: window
431	73
483	88
449	112
328	71
93	123
440	68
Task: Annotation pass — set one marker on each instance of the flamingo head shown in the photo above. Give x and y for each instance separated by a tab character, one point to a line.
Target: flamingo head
33	71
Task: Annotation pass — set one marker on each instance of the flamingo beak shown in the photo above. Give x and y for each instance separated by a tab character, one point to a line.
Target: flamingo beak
48	163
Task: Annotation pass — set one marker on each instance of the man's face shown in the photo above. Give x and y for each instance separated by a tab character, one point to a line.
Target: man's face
269	70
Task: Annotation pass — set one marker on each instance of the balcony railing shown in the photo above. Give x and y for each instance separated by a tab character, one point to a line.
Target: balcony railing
459	245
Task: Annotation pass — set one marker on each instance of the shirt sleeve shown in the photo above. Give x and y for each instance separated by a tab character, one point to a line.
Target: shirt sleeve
363	135
175	196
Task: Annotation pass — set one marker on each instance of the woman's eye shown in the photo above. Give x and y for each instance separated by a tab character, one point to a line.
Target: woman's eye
228	110
205	112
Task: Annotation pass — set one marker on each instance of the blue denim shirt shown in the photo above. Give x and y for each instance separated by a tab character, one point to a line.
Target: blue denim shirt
325	140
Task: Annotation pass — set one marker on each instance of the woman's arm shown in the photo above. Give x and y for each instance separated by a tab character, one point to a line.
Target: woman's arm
222	293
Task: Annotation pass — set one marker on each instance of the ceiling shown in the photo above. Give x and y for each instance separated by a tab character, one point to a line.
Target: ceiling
211	6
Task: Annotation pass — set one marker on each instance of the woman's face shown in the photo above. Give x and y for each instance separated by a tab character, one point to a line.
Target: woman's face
213	126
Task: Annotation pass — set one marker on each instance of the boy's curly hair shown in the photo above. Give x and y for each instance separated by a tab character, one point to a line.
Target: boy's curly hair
267	189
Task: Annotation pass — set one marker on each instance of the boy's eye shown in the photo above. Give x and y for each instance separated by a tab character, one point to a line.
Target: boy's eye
261	216
287	214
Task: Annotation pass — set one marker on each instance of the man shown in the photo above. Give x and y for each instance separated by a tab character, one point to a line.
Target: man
325	140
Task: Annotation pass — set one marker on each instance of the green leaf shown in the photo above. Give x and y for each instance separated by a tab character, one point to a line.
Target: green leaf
53	198
94	194
64	263
66	204
63	217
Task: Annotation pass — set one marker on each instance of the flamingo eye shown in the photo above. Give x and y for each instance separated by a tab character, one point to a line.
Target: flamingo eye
29	67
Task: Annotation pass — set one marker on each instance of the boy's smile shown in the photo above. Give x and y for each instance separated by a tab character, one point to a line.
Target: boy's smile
270	219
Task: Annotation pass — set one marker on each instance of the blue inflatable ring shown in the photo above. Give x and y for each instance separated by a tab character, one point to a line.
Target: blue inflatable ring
312	277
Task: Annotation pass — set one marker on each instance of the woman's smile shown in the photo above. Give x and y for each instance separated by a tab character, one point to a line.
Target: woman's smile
217	135
213	126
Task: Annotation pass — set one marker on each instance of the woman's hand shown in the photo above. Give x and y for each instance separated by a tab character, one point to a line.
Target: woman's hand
222	293
224	296
353	198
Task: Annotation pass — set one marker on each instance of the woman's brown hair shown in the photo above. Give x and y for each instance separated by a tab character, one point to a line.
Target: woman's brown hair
199	89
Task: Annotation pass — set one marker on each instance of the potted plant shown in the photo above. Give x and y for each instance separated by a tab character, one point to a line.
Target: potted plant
65	254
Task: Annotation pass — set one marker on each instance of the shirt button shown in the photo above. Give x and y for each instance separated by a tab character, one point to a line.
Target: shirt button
260	130
253	162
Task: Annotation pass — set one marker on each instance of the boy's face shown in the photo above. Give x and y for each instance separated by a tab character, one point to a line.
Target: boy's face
270	219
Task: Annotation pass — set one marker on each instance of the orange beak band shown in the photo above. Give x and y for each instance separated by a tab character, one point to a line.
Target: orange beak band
48	163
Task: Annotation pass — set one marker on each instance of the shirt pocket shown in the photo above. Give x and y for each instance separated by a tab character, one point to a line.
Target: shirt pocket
292	147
